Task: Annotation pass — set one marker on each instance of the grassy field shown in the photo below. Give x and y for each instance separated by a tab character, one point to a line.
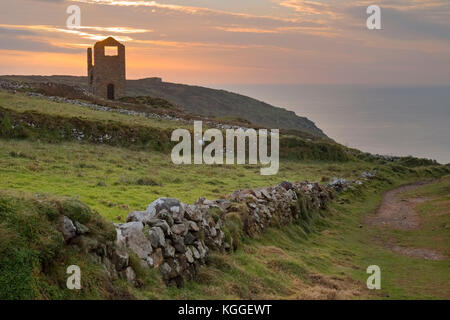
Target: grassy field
21	103
115	181
329	261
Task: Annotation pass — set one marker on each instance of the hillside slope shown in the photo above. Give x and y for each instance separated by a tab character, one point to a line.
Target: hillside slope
203	101
64	163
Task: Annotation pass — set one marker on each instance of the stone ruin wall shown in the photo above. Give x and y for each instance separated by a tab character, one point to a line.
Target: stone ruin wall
107	69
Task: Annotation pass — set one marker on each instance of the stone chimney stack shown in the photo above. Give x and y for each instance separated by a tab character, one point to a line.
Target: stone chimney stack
89	60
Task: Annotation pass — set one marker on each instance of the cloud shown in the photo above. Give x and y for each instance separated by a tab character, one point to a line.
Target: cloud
77	32
311	30
32	43
304	6
243	29
267	40
48	0
183	9
115	29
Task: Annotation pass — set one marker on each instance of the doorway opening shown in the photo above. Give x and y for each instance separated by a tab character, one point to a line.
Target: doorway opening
110	91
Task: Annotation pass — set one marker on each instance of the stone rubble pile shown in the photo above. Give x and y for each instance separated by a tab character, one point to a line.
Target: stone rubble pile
13	86
339	184
369	174
342	185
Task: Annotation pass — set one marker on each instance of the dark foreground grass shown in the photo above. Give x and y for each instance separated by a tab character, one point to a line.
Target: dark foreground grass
34	258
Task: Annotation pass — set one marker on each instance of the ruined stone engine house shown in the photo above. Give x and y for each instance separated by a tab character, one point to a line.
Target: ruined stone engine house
107	77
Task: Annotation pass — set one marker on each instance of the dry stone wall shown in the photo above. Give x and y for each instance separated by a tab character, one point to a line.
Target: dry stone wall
177	238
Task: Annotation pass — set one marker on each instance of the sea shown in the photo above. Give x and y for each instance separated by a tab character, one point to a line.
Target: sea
398	121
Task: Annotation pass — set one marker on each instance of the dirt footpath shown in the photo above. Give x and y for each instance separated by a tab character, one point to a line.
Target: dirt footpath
400	214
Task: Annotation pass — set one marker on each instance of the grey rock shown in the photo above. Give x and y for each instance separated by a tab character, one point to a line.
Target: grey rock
179	229
339	184
144	217
194	213
195	252
120	258
257	193
130	275
110	268
154	221
200	200
156	237
193	226
165	227
178	244
166	216
189	238
286	185
166	270
189	255
369	175
150	262
201	249
266	194
251	205
209	203
169	251
67	228
81	228
135	238
170	204
225	205
221	235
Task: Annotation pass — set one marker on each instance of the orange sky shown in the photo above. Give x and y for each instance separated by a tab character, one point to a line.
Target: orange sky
235	41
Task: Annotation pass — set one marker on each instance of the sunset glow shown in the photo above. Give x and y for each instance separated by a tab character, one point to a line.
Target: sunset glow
214	42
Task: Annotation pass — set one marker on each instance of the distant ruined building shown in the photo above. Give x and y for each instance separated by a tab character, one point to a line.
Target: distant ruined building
107	77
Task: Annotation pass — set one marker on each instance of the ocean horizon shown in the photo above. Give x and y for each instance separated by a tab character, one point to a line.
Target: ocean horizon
398	121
